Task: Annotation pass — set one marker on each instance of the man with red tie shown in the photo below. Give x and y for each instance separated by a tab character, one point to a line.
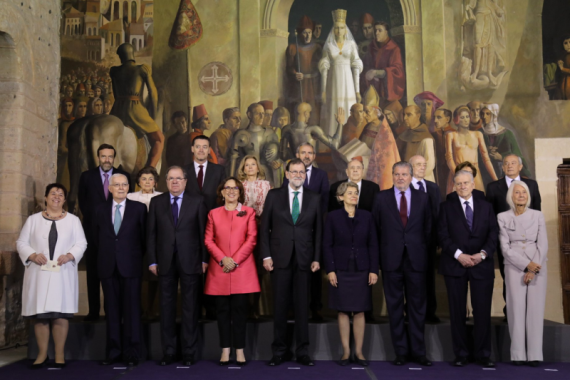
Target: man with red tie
403	220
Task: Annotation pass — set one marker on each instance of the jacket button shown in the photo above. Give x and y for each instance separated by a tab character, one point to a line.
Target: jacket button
116	239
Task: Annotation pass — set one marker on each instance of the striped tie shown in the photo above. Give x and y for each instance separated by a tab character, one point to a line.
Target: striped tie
295	212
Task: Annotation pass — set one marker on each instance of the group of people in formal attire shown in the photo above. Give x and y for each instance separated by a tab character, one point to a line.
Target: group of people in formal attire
229	229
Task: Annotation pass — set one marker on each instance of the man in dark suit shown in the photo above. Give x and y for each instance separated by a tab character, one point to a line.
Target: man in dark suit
497	196
367	189
468	234
318	182
93	190
291	249
119	230
419	182
403	220
175	247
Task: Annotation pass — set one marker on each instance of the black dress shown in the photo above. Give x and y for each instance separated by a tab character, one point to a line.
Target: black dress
352	294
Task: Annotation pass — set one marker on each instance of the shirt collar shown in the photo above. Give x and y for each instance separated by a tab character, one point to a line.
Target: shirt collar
179	196
205	165
123	203
238	208
291	191
462	201
511	180
397	191
415	181
110	172
310	167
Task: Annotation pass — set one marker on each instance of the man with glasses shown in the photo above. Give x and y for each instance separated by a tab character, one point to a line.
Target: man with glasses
291	249
175	247
119	241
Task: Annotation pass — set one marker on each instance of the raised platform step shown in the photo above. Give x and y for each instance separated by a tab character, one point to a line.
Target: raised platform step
86	341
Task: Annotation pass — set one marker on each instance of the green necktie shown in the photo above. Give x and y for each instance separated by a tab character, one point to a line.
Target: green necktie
118	219
295	212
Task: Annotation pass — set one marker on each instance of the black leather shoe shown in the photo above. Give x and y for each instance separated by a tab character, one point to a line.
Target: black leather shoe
59	365
534	363
486	363
518	363
40	365
305	360
422	360
400	360
109	361
167	360
132	362
344	362
460	361
188	361
91	318
276	360
362	362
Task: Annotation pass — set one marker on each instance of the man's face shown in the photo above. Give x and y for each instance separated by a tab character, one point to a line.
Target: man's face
368	31
411	118
318	30
175	181
464	185
181	124
256	115
354	27
81	92
567	45
205	123
69	92
426	107
200	149
283	121
511	166
267	118
419	164
233	122
380	33
370	113
296	175
68	108
307	35
475	111
440	120
106	159
119	187
98	92
357	112
390	116
487	116
81	109
98	107
90	94
402	178
354	171
307	155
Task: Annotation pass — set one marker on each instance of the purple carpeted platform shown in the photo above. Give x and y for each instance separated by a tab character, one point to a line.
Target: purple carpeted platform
87	370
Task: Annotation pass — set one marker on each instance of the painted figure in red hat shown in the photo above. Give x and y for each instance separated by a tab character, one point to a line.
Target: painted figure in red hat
201	122
428	103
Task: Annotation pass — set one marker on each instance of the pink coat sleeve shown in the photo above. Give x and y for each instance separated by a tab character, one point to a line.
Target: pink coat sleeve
251	240
209	240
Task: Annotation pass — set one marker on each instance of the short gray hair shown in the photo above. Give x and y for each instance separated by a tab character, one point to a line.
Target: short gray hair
403	164
118	175
184	172
343	187
512	190
513	155
463	172
305	144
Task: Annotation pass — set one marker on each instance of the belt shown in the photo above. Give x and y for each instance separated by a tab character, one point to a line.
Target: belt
309	76
129	97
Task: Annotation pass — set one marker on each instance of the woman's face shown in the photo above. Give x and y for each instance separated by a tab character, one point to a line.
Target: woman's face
231	191
520	196
464	119
566	44
350	196
487	116
98	107
380	33
250	167
147	183
55	199
283	121
339	30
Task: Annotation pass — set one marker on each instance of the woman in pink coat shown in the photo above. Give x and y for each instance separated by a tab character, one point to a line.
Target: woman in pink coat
231	235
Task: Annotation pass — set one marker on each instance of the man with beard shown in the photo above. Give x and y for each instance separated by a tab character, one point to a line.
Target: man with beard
475	113
428	103
302	60
367	32
201	122
417	140
221	138
178	145
442	124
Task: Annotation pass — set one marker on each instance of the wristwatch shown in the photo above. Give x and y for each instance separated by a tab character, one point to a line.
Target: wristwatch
483	255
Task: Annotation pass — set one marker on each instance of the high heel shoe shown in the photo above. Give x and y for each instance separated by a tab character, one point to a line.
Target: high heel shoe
59	365
344	362
40	365
241	364
362	362
223	364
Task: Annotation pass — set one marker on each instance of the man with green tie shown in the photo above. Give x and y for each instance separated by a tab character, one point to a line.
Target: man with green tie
291	249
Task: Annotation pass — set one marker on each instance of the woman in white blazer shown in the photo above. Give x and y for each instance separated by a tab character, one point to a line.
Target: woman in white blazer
525	245
50	245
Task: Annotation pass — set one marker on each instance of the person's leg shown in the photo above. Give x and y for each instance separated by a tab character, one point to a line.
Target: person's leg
224	325
59	330
457	297
131	295
240	307
482	298
282	285
502	271
416	297
358	326
41	329
189	285
535	315
301	291
394	291
113	305
168	302
93	281
156	142
344	330
516	313
152	293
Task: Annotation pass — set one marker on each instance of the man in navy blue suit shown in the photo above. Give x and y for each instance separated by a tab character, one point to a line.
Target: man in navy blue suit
403	220
119	229
468	234
318	182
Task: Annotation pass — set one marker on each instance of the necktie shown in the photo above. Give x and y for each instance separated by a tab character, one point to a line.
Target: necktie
469	215
200	176
118	220
175	210
404	209
106	185
421	185
295	208
308	178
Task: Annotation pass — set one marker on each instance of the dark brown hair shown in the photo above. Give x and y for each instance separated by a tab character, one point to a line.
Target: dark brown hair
106	146
148	170
241	198
55	186
466	164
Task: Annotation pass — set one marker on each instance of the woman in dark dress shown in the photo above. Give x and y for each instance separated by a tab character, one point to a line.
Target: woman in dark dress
351	255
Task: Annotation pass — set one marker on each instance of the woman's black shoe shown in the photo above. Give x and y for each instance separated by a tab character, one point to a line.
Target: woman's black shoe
344	362
40	365
223	364
534	363
362	362
518	362
59	365
241	364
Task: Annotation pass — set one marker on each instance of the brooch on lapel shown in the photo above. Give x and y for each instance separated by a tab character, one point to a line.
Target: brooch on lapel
242	213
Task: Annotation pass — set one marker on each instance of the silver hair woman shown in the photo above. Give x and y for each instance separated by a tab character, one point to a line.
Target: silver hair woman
524	244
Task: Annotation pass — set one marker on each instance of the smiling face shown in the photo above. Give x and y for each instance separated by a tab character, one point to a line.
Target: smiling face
55	199
380	33
106	159
147	183
230	191
464	119
350	196
464	185
296	175
250	167
520	196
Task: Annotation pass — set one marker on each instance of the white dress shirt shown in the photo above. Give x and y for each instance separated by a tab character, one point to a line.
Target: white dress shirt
509	180
464	206
121	210
292	196
197	169
415	182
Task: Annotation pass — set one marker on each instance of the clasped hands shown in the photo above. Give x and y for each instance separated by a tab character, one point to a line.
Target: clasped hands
229	264
470	260
532	270
41	259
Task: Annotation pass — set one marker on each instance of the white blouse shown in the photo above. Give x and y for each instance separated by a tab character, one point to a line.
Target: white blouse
143	198
44	291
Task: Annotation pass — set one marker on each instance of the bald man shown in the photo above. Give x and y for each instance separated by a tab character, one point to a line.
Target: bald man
417	140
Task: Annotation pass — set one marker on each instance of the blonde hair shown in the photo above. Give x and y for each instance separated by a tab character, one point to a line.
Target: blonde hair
512	190
241	173
342	189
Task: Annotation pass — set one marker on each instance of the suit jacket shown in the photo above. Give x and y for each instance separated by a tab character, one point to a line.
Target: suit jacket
394	238
319	184
435	201
477	194
229	235
186	238
497	194
125	249
280	237
454	234
343	235
368	191
91	194
215	175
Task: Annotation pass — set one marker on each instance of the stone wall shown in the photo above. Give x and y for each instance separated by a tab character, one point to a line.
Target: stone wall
29	76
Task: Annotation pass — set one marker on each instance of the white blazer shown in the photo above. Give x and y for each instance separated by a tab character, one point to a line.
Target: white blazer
46	292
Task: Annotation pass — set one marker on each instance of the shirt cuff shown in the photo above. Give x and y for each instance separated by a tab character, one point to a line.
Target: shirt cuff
483	257
152	265
457	253
267	258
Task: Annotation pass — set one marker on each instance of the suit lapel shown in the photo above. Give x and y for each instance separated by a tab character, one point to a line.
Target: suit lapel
208	177
168	207
461	214
127	212
108	216
192	181
476	212
184	208
415	204
287	209
394	206
304	206
503	186
99	183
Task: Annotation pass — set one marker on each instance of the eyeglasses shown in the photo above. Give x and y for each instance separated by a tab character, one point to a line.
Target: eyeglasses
178	179
120	185
228	188
302	172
